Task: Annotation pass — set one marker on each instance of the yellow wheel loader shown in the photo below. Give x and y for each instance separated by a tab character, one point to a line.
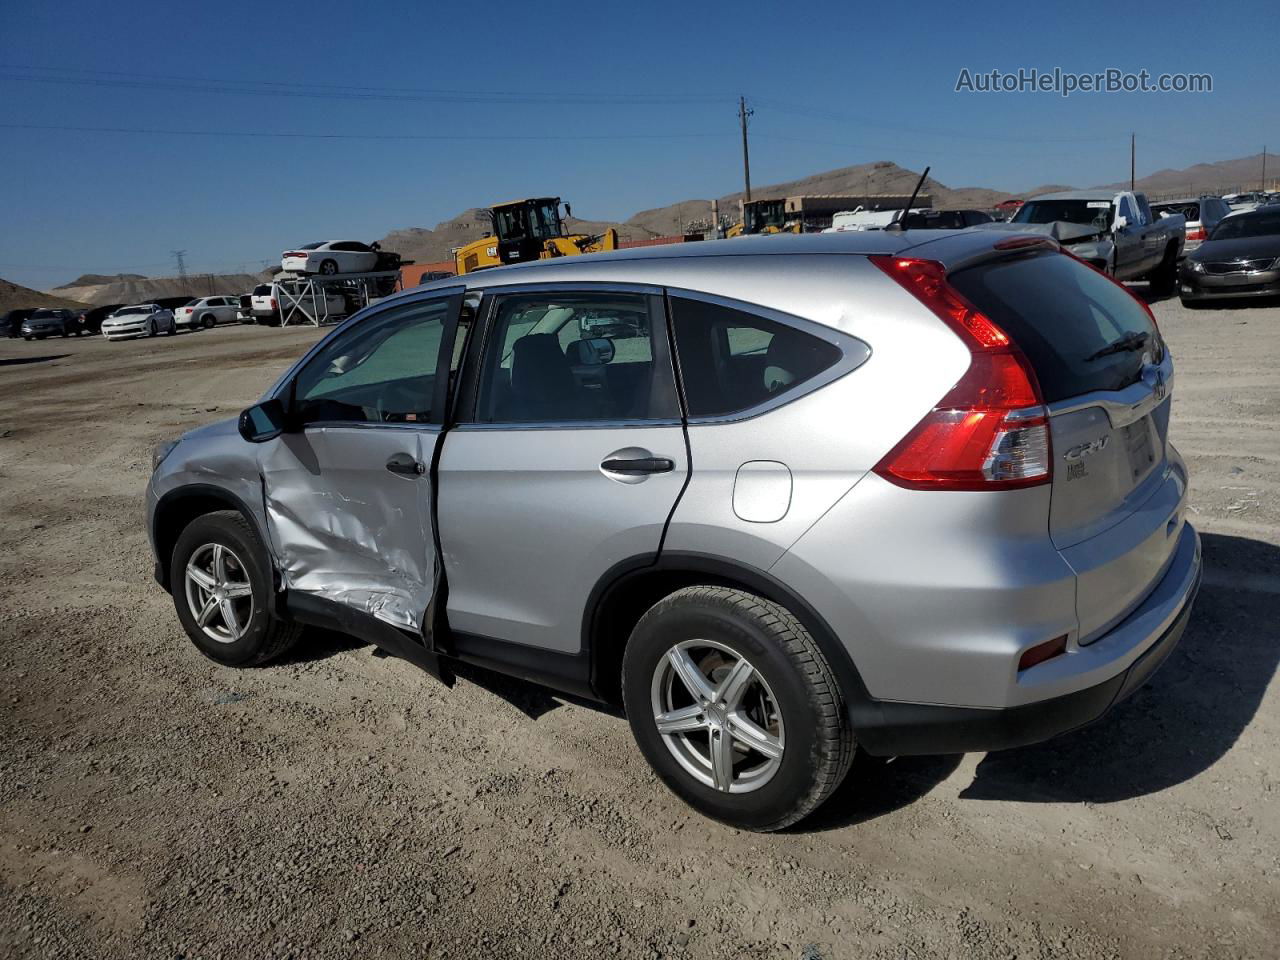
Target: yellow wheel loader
529	230
764	216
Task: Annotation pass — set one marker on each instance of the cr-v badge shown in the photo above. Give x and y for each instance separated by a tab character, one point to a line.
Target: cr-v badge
1076	455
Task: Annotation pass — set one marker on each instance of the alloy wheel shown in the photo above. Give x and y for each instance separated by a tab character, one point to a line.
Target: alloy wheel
717	716
219	594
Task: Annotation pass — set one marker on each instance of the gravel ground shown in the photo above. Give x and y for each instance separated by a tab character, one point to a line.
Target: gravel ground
342	804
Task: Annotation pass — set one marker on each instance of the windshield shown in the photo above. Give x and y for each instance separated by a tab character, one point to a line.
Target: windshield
127	310
1095	213
310	246
509	223
767	213
1248	225
45	315
544	220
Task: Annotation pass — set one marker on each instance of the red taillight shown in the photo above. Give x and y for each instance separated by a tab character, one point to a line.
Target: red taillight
294	253
990	431
273	303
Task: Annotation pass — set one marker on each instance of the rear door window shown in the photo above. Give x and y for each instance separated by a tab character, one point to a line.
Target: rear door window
1061	312
575	357
731	360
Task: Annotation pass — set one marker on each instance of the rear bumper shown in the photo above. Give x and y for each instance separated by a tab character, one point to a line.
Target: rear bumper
887	728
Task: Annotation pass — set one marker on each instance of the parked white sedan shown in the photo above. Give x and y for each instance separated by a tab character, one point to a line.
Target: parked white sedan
139	320
330	257
207	312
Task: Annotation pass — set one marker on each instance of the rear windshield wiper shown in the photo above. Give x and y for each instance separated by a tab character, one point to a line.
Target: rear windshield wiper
1130	341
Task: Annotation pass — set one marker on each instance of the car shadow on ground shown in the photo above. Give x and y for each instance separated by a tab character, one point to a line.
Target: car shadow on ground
876	786
15	361
1190	713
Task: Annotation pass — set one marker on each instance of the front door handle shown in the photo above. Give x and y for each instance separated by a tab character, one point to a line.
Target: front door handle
406	465
639	466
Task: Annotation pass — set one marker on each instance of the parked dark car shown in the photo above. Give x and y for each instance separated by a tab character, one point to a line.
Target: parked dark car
11	321
945	219
92	319
47	322
1241	259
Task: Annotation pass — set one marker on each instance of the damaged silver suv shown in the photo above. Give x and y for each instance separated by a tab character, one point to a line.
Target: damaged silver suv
910	492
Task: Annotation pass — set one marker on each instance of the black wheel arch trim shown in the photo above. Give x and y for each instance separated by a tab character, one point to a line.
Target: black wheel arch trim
858	703
208	491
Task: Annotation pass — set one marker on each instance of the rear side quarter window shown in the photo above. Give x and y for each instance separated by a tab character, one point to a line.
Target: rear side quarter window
732	361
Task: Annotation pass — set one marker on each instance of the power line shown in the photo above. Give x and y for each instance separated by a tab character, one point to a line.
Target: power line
323	91
271	134
806	111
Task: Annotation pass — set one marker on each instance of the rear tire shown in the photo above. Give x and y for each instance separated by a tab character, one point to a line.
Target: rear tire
328	268
245	634
207	321
791	707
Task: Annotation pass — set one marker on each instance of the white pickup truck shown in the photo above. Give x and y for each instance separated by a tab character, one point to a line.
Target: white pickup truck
1113	230
270	303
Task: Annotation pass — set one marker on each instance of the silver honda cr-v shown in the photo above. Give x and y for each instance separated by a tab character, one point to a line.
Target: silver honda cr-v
780	497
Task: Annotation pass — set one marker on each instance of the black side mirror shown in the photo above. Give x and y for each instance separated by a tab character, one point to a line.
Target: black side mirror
568	210
263	421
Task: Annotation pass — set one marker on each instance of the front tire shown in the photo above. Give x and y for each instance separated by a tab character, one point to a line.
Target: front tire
735	707
151	328
222	588
1165	277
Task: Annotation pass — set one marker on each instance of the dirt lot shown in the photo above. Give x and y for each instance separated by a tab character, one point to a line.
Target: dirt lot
343	804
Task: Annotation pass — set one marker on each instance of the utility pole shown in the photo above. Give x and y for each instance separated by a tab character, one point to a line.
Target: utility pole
1264	166
743	115
1133	139
180	256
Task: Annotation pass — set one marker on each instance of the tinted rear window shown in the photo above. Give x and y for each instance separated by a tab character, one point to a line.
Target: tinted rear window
1061	312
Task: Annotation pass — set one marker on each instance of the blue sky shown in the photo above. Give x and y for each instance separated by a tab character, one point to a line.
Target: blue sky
618	107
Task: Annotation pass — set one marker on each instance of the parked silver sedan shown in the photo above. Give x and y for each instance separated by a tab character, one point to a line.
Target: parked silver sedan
911	492
207	312
139	320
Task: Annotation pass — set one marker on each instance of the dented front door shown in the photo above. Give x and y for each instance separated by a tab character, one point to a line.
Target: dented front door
348	494
349	515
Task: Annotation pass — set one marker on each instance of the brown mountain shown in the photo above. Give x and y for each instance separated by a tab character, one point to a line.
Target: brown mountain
134	288
1225	176
14	297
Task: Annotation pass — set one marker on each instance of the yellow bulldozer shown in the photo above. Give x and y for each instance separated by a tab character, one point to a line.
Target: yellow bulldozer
764	216
529	230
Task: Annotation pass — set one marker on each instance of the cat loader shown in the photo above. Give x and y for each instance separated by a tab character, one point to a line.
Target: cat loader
529	230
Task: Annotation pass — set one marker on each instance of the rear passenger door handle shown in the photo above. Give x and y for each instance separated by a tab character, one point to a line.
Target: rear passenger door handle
406	466
639	466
